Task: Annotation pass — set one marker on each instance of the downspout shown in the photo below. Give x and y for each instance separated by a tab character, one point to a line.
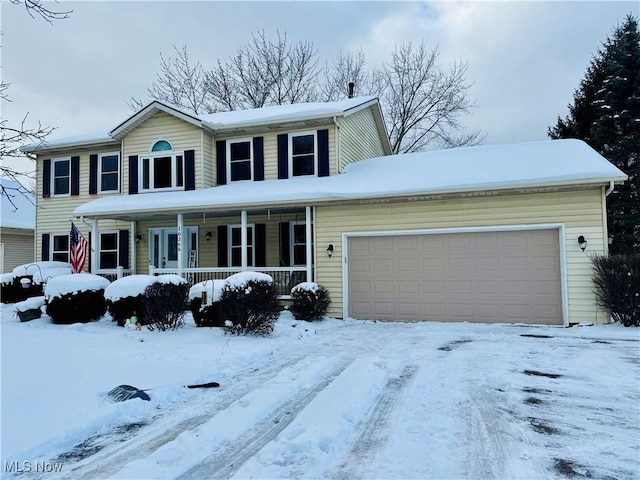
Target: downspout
607	192
94	236
337	135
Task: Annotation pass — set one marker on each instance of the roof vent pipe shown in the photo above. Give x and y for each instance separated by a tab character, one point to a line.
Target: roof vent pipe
350	89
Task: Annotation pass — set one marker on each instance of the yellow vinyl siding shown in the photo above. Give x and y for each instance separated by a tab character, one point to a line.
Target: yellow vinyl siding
207	164
18	247
162	126
358	138
579	211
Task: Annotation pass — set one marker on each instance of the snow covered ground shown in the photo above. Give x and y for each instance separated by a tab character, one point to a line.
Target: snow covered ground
332	399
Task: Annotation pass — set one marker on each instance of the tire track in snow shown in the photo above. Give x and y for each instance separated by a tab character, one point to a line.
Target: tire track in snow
226	462
372	432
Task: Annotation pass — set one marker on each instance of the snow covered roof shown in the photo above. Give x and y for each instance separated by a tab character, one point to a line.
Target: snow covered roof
76	141
22	214
453	171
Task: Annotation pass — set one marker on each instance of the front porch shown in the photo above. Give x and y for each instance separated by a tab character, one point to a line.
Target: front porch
213	245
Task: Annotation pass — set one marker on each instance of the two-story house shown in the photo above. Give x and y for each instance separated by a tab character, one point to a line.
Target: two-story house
311	192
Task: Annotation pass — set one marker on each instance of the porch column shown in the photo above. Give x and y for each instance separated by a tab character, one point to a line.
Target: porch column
307	213
94	243
243	239
180	259
132	246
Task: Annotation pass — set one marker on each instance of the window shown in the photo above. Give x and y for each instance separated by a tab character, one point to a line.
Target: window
161	146
162	171
108	250
109	172
235	245
61	178
60	250
298	243
240	158
303	153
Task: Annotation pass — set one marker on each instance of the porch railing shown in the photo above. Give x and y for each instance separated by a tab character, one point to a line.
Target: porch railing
112	274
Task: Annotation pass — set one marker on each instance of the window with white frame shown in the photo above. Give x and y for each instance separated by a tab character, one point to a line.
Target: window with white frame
240	160
108	257
109	172
61	176
235	245
163	169
60	248
303	153
298	235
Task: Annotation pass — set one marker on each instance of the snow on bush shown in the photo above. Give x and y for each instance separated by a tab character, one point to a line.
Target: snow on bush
75	298
130	286
206	313
26	280
309	301
212	287
42	270
164	302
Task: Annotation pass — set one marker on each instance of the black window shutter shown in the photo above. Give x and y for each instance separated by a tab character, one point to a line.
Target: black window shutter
190	170
133	174
323	153
283	156
93	173
89	252
258	159
123	248
46	178
75	175
221	162
223	254
261	245
45	247
285	252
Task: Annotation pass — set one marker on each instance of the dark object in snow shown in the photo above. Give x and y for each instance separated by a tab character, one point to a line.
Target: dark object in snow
126	392
30	314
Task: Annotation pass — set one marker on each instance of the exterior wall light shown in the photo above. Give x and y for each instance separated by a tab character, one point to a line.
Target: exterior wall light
209	235
138	238
582	242
330	250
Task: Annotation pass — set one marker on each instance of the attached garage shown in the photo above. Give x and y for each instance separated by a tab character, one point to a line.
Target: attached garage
509	275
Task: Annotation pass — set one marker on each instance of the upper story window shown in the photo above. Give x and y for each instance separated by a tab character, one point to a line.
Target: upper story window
303	153
109	172
163	169
240	159
61	178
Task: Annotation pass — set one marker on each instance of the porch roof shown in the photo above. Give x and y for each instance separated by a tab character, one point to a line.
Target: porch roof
553	163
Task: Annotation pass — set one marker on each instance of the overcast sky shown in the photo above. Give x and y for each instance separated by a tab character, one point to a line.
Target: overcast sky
524	58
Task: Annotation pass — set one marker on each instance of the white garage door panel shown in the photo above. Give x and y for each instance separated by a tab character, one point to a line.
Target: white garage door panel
508	276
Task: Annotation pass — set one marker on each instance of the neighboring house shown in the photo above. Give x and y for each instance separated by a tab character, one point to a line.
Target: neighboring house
17	225
311	192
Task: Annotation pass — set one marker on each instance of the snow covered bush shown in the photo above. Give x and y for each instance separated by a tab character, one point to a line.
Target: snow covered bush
164	302
13	286
126	296
204	303
309	301
249	304
617	287
75	298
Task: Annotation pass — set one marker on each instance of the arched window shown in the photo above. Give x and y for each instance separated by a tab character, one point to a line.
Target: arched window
161	146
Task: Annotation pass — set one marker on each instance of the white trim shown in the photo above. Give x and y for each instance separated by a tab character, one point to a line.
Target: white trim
117	172
174	171
244	264
315	152
52	180
100	249
440	231
52	244
292	241
251	158
160	139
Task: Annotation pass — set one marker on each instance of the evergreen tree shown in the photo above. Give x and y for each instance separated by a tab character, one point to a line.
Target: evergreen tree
606	114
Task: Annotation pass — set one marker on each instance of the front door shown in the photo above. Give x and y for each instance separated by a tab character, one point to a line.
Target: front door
163	248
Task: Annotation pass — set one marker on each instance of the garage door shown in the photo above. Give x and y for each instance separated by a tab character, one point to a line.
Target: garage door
507	276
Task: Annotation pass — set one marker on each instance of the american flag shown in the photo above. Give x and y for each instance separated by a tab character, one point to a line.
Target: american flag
78	250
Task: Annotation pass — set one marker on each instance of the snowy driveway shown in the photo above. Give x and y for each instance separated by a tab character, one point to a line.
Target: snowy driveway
351	400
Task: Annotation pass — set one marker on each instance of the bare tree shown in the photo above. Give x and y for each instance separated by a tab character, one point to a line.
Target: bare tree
12	137
36	7
422	103
180	82
345	68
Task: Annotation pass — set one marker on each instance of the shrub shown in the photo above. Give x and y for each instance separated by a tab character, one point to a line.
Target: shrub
249	304
126	296
75	298
164	302
12	290
617	287
122	309
309	301
207	315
